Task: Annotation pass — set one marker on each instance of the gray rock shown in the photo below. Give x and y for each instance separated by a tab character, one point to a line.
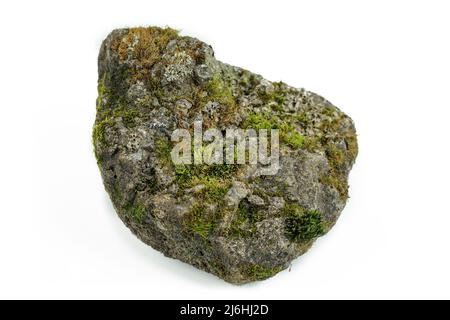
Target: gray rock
228	220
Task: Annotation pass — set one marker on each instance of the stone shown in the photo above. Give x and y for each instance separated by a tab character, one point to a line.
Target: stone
227	219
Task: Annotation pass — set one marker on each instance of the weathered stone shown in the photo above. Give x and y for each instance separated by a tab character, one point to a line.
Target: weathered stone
225	219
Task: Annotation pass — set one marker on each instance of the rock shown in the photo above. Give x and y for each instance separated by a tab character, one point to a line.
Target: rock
232	220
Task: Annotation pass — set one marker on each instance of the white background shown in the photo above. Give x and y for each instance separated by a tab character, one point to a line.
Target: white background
385	63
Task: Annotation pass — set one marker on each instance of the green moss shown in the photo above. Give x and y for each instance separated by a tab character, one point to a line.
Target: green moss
100	128
288	134
335	176
302	119
162	149
352	147
302	225
255	272
216	179
244	224
190	175
220	91
217	90
215	189
334	179
277	96
128	115
291	137
259	121
136	212
201	222
335	156
312	144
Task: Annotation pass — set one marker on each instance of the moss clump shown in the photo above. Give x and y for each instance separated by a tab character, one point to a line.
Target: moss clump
127	115
303	225
201	222
276	97
244	225
255	272
288	133
100	128
162	149
335	180
216	179
291	137
335	176
335	156
302	119
312	144
218	90
98	135
189	175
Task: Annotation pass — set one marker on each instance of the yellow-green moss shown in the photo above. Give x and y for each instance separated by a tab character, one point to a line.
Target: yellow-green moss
218	90
288	134
163	148
190	175
202	222
277	97
255	272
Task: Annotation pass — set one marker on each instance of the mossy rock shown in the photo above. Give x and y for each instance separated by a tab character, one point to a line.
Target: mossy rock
226	219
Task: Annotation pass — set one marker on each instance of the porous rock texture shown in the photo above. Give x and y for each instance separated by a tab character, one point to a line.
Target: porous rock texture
224	219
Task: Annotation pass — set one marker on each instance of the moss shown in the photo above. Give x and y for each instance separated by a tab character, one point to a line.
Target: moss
244	225
352	147
100	128
217	90
136	212
255	272
291	137
312	144
190	175
201	222
335	156
259	121
216	180
336	174
127	115
302	119
302	225
277	96
162	149
145	44
216	189
337	181
288	134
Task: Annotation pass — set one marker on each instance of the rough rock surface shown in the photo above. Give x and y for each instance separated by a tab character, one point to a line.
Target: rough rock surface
224	219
